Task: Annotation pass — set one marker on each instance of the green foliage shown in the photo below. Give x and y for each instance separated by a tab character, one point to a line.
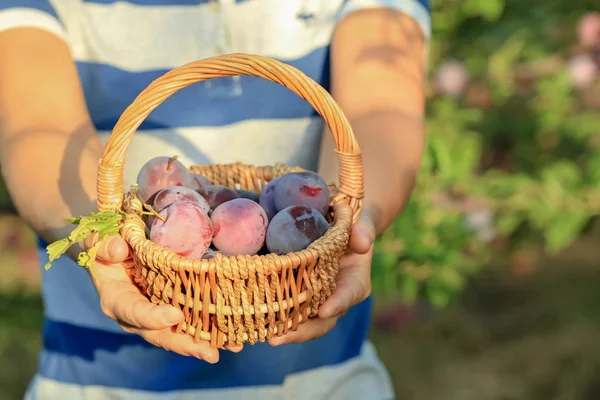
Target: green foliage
103	223
527	151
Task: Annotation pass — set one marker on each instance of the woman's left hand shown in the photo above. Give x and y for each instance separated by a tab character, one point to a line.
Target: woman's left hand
353	285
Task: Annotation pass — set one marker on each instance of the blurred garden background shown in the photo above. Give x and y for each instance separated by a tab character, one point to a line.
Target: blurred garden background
488	285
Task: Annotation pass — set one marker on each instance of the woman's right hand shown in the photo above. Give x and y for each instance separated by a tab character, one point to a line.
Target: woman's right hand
122	301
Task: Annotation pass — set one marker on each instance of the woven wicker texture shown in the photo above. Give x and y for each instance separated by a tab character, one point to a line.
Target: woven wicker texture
241	299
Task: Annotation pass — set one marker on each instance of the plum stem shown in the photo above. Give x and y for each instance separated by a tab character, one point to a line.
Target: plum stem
152	211
171	161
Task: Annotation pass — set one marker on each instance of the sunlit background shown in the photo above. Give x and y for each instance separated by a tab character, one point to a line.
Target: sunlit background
487	286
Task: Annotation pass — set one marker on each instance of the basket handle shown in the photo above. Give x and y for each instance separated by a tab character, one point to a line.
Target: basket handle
110	185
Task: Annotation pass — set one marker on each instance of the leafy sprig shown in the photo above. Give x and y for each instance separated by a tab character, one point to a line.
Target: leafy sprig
103	223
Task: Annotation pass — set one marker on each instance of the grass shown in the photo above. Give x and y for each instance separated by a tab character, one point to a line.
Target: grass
508	340
20	325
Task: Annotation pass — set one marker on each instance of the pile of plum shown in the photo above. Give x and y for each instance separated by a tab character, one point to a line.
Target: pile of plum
198	219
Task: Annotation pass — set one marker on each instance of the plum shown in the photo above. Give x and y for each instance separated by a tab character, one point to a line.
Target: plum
159	173
186	230
302	189
240	227
294	228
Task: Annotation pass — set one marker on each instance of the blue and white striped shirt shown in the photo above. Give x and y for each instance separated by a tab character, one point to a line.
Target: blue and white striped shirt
119	47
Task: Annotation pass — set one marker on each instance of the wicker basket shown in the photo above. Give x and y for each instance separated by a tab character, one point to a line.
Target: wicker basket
238	299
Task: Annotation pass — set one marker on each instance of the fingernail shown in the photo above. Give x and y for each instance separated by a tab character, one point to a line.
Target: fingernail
332	308
328	313
171	315
209	358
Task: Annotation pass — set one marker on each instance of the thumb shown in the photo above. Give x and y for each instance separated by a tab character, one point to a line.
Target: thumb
112	249
123	302
362	235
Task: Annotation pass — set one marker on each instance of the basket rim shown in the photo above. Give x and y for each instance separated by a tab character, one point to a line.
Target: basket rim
341	223
110	184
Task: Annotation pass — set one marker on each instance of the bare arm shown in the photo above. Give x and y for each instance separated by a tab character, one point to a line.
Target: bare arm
377	73
49	155
48	147
377	78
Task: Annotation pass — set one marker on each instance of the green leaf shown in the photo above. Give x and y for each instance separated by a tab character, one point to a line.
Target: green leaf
451	278
56	249
565	229
561	175
593	169
470	154
542	214
508	223
500	66
409	289
583	126
443	158
104	223
437	295
88	258
490	10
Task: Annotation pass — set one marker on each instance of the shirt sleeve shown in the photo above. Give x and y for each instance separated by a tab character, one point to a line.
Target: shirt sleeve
30	13
417	9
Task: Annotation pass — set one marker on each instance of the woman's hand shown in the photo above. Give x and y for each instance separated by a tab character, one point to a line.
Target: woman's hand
122	301
353	285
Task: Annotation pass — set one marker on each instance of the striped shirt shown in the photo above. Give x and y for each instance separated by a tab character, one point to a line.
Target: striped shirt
119	47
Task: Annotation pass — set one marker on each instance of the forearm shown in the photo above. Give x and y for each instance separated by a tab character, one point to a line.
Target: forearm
377	78
391	161
51	176
48	145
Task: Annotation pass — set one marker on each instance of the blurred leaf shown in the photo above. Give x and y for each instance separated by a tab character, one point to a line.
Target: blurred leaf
451	278
508	223
593	169
490	10
564	230
501	63
409	289
437	295
470	156
583	125
443	157
561	176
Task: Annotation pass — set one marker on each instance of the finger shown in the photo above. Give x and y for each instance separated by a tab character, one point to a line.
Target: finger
353	285
311	329
122	302
181	343
234	349
91	240
112	249
362	235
